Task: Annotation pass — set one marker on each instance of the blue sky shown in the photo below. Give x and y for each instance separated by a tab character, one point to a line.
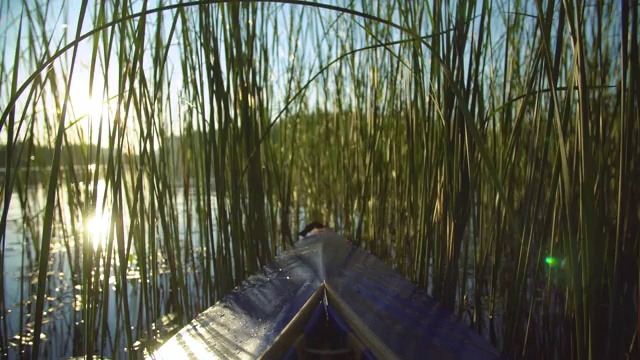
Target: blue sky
61	27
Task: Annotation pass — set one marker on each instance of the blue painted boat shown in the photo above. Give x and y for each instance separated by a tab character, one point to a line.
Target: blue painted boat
327	299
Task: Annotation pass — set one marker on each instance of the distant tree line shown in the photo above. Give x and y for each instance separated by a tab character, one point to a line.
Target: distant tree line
25	154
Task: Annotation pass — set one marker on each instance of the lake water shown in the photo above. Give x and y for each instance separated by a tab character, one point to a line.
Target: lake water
63	317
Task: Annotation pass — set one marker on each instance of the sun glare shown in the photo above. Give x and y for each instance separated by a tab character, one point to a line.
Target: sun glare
97	228
87	106
86	110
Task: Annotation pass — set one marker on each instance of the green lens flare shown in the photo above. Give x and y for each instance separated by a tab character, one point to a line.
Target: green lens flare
552	261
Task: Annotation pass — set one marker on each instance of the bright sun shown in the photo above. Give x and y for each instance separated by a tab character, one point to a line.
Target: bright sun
97	228
85	110
85	106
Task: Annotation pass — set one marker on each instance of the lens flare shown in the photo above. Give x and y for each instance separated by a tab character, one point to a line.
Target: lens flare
554	262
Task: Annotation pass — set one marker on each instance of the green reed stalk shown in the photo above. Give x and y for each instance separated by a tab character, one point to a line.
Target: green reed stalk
51	196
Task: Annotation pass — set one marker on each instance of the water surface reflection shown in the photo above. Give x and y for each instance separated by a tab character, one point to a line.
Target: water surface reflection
85	292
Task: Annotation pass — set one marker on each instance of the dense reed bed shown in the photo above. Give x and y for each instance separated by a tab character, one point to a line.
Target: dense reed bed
488	150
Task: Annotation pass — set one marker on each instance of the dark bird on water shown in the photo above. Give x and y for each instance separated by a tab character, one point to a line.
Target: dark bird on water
310	228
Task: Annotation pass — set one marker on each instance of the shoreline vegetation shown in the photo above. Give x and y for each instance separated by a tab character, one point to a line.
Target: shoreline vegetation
489	151
41	156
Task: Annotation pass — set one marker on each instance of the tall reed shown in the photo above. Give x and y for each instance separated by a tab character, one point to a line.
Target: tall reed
487	150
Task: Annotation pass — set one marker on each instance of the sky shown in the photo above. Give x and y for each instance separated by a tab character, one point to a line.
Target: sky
61	26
